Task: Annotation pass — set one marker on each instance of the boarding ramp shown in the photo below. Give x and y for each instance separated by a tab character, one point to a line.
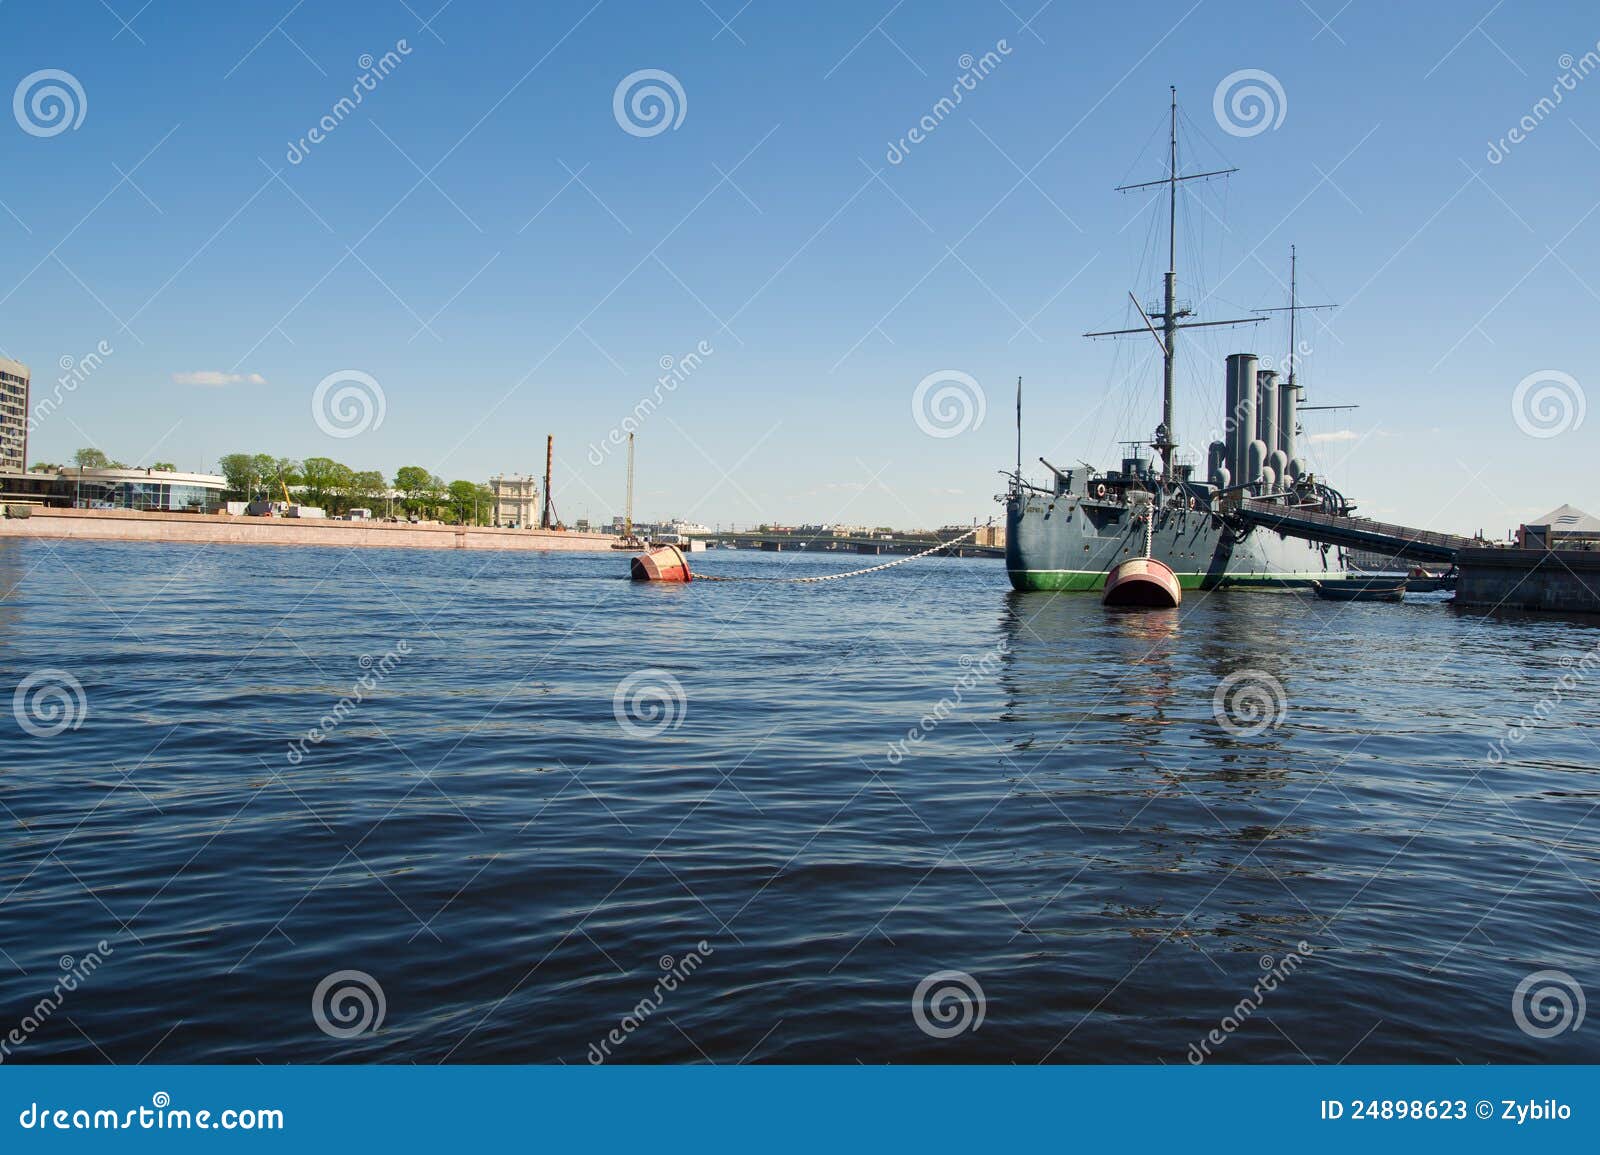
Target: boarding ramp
1352	532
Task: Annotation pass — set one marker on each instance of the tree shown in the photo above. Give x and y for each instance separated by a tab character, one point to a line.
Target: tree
242	473
463	498
91	459
319	475
164	467
281	473
264	465
420	487
340	486
44	467
368	488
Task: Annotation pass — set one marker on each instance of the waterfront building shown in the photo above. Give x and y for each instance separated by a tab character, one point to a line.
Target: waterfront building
33	488
151	489
516	501
13	416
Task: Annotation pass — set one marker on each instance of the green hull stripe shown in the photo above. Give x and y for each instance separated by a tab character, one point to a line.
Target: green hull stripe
1092	580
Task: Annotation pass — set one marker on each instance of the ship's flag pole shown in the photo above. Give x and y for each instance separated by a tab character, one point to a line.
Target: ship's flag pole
1019	430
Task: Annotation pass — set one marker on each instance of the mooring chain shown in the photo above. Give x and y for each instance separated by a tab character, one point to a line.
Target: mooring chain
700	577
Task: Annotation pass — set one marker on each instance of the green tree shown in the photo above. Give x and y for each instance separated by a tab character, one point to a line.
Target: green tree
319	475
281	473
243	475
462	498
164	467
91	459
264	465
419	487
44	467
340	486
368	489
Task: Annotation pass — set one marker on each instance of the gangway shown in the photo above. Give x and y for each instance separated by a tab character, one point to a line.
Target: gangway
1352	532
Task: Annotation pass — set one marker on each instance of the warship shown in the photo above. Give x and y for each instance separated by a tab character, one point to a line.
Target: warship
1069	534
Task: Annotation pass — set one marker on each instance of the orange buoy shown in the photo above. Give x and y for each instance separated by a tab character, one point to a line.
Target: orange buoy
663	564
1142	581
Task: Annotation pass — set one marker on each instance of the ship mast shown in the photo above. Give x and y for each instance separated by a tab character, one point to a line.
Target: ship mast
1169	318
1165	441
1294	308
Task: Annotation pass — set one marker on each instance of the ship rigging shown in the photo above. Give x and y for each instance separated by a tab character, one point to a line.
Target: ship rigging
1172	314
1071	535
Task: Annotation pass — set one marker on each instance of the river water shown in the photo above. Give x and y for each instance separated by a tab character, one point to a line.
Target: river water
314	805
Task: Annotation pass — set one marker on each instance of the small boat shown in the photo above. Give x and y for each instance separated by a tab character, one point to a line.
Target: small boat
1421	581
1357	590
1142	581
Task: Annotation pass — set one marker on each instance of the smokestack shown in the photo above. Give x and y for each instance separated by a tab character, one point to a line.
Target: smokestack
1240	426
1267	409
1288	417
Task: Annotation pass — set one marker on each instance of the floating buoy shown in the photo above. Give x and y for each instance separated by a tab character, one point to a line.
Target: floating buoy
1142	581
663	564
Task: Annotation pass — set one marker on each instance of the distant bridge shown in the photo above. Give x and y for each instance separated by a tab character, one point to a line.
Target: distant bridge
1354	532
895	544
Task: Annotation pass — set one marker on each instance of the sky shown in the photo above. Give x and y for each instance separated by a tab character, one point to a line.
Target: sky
497	242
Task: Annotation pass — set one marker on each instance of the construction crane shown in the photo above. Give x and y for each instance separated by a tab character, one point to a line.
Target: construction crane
628	540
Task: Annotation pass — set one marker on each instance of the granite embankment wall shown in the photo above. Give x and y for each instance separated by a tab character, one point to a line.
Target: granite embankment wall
1566	580
220	529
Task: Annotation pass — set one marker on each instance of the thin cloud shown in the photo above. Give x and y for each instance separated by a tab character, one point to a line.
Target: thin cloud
212	377
1337	435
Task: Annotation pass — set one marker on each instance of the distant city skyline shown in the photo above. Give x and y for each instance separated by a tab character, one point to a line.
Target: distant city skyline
803	255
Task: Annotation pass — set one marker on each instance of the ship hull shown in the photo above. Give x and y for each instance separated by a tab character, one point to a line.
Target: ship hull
1063	544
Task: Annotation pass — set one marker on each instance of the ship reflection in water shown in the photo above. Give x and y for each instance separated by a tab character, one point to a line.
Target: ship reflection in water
909	817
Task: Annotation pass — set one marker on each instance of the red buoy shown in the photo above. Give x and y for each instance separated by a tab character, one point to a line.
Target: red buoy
1142	581
663	564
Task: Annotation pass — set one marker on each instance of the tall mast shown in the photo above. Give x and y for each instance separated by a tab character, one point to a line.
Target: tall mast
1294	307
1171	315
1019	430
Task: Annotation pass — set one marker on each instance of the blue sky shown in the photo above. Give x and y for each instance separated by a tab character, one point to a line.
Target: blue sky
483	239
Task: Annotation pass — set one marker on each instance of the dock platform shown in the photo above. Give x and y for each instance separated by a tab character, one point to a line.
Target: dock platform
1563	580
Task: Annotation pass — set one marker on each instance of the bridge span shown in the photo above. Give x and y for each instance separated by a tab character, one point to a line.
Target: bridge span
896	544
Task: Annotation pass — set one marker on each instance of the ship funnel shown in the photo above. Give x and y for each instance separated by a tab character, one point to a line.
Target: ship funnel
1240	423
1267	409
1288	416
